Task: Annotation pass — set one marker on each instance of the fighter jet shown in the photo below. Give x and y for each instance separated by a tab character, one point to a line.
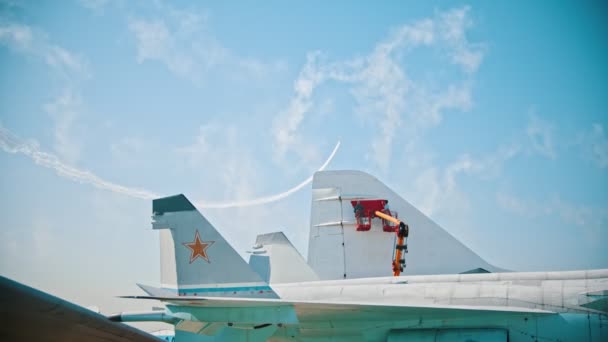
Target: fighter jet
352	288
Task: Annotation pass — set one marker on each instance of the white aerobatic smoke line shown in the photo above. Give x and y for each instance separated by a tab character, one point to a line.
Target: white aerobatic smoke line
12	144
268	199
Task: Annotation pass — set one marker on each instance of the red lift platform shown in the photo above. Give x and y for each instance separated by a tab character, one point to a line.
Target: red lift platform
365	210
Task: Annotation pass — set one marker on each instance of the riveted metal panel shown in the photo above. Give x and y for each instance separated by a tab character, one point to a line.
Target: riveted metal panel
326	242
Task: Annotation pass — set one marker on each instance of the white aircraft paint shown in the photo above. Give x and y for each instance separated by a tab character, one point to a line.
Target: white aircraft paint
338	251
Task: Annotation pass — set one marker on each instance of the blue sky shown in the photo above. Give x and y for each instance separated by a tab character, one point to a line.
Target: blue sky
489	117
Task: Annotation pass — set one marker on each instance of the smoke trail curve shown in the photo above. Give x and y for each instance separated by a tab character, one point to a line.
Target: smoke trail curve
13	144
268	199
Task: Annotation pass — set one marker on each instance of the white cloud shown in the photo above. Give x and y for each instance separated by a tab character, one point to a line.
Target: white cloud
383	90
64	111
226	166
155	42
491	166
454	25
94	5
436	189
464	165
30	42
595	145
72	68
540	133
541	140
17	36
286	125
181	40
60	58
592	219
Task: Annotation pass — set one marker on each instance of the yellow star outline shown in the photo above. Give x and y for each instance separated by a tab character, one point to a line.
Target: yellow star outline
198	248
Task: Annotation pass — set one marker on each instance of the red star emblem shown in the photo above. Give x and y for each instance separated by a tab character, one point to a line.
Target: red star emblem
198	248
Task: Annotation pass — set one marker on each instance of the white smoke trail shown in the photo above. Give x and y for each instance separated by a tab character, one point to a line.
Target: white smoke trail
271	198
12	144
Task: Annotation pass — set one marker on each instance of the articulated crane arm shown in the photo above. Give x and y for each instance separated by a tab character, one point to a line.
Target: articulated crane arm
402	230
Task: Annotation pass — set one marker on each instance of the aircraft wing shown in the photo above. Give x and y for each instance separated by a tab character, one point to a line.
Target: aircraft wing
252	310
27	314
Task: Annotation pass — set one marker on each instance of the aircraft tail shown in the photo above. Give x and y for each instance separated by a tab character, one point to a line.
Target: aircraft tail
196	259
342	246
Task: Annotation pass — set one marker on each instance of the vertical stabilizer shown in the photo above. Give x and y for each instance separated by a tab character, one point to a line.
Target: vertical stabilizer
196	259
278	261
337	250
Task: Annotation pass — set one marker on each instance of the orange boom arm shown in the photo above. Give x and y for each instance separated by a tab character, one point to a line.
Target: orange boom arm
402	233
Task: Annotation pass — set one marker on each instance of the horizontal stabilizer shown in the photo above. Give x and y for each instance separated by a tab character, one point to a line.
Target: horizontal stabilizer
155	291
